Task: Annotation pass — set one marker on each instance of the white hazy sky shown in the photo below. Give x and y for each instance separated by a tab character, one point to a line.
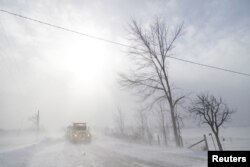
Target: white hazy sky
73	78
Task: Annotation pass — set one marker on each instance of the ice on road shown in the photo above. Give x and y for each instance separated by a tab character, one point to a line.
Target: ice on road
102	152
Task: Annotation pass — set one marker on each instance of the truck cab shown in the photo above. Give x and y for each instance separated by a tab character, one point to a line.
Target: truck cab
78	132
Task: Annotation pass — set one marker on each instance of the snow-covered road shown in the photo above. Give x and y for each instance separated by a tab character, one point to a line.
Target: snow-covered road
102	152
68	155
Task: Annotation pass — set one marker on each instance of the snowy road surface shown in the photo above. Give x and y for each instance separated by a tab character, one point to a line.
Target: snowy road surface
102	152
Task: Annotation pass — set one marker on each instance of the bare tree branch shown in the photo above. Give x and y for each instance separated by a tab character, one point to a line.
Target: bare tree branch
211	111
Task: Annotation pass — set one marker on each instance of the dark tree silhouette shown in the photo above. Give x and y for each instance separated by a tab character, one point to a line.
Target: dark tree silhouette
119	121
150	50
143	125
161	115
35	119
212	111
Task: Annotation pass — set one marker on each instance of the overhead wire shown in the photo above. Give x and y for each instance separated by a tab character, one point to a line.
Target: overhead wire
121	44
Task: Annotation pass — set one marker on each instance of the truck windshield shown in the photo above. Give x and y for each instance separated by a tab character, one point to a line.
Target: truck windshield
81	127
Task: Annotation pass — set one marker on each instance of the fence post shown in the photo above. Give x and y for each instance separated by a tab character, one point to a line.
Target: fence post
205	139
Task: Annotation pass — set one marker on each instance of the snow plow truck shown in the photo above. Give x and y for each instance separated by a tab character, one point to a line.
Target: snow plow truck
78	132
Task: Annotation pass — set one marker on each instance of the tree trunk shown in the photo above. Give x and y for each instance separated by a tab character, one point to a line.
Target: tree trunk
218	141
165	136
177	141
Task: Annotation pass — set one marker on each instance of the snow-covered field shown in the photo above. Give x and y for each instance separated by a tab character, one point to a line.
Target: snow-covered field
43	151
232	138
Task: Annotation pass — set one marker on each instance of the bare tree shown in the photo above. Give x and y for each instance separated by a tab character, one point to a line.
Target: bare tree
141	119
150	50
211	111
144	128
161	115
35	119
119	120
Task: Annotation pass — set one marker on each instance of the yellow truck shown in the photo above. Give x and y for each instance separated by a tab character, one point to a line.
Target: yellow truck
78	132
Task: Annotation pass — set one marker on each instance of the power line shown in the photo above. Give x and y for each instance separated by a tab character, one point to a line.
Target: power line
62	28
209	66
118	43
